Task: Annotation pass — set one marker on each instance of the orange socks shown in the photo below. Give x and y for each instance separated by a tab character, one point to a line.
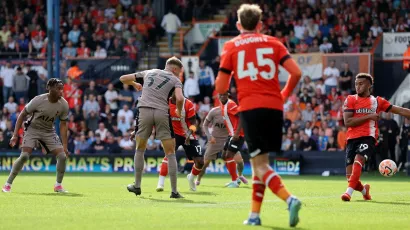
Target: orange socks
231	166
195	171
274	182
163	171
258	192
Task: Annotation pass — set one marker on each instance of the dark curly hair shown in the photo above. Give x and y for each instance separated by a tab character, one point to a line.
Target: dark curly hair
53	82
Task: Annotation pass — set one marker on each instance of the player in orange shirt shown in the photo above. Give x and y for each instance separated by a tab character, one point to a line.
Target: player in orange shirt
361	114
254	60
184	128
233	146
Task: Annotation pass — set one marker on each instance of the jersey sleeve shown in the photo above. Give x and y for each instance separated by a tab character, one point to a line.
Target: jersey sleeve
189	109
32	105
233	108
384	105
282	51
348	105
210	116
226	64
178	83
141	74
64	114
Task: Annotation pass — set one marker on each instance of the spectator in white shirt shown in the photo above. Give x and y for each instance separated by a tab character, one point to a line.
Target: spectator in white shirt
111	97
331	75
91	105
170	23
127	113
326	46
11	106
102	131
299	29
191	86
123	126
126	143
376	29
7	75
100	52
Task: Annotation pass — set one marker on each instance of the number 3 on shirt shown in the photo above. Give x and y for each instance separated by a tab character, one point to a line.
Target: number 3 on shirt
251	71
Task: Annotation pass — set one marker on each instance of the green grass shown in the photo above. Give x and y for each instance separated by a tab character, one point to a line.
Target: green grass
98	201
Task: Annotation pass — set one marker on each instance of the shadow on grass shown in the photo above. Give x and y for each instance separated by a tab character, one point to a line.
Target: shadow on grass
52	194
280	228
202	193
222	187
170	200
385	202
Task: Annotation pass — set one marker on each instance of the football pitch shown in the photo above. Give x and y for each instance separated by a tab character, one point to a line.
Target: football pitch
101	201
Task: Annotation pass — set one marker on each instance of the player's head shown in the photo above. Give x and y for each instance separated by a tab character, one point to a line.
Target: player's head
55	87
249	18
363	84
174	65
223	97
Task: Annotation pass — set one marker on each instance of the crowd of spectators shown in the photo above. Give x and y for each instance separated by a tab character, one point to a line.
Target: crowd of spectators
87	28
331	26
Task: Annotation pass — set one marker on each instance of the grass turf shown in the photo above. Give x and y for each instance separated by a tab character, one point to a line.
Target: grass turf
101	201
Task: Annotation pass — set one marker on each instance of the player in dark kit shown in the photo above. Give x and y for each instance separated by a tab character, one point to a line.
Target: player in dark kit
184	128
44	109
361	115
254	60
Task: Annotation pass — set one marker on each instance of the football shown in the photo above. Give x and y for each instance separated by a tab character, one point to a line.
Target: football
387	168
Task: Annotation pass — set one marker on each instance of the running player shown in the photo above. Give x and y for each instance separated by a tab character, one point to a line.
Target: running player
254	58
184	128
154	111
361	115
220	141
43	111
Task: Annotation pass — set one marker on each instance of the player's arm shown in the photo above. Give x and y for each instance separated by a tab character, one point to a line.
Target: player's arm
400	111
22	116
129	79
192	128
225	70
294	75
179	96
63	134
351	121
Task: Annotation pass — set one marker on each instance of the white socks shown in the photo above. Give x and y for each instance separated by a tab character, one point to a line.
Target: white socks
253	215
349	191
161	181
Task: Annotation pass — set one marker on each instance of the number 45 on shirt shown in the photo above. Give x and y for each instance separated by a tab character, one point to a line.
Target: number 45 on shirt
251	70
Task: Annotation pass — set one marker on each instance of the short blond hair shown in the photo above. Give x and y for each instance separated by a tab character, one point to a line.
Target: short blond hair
174	61
249	15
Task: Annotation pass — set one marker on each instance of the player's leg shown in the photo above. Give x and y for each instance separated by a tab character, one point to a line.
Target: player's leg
267	124
165	133
145	124
17	166
357	152
163	172
211	153
230	164
240	166
193	152
203	171
60	169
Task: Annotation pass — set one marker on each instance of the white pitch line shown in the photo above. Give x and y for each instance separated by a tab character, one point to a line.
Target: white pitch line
278	200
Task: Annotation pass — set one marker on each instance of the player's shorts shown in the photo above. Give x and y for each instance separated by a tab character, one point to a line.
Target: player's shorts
48	140
150	117
263	130
365	146
212	150
192	150
234	146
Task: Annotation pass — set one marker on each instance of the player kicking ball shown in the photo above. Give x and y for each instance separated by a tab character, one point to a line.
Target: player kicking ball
154	111
254	59
220	141
361	115
43	111
184	128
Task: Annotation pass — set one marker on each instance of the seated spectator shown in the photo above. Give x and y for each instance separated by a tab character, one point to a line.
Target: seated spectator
331	144
341	138
286	141
126	143
80	144
101	131
90	105
326	47
4	144
126	113
294	145
123	125
307	144
100	52
112	144
11	106
98	146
